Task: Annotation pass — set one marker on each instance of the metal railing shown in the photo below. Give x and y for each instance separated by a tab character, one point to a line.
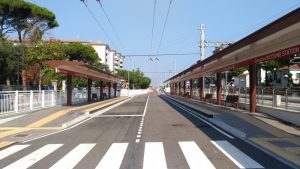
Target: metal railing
22	101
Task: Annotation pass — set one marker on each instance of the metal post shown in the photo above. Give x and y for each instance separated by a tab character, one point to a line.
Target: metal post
31	100
201	92
43	98
16	101
286	99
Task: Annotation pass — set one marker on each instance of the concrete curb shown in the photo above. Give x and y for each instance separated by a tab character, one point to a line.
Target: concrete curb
76	120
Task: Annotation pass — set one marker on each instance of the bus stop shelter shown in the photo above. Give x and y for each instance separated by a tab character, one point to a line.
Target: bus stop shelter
277	40
81	69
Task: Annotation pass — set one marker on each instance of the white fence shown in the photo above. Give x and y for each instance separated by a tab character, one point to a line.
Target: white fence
125	92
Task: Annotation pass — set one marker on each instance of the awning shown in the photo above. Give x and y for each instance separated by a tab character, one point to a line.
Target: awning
81	69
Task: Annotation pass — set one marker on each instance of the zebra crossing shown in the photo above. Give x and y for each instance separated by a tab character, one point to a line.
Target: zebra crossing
154	156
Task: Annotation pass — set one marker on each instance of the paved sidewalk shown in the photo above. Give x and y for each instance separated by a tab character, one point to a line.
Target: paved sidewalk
277	138
45	121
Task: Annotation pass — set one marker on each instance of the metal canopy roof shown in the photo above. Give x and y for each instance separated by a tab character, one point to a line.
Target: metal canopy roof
278	37
81	69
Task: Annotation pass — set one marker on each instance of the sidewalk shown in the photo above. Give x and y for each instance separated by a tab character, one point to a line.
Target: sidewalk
275	137
45	121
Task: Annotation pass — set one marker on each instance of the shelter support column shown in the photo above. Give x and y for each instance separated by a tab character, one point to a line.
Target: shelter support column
191	88
184	87
69	90
201	92
252	73
101	90
179	89
89	90
115	89
219	88
109	89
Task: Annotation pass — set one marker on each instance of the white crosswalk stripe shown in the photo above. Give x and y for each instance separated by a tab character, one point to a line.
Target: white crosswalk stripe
113	157
194	156
154	156
11	150
34	157
73	157
235	155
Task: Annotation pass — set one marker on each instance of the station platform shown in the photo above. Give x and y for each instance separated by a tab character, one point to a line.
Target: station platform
275	137
22	127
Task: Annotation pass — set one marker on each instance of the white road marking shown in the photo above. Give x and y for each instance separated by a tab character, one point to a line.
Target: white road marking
34	157
92	116
145	110
154	156
138	136
11	150
139	132
235	155
73	157
137	140
113	157
193	114
194	156
120	115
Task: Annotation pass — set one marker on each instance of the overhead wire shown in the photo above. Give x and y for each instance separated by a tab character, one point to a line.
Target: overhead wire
111	25
164	54
98	23
153	25
165	24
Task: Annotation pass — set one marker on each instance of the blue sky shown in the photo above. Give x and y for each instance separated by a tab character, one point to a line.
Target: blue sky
228	20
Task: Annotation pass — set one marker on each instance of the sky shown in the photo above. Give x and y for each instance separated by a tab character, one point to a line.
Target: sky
229	20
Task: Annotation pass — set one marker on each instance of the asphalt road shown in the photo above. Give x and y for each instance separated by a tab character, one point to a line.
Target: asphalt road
147	132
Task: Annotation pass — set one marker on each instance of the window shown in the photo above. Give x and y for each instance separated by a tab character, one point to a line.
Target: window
298	75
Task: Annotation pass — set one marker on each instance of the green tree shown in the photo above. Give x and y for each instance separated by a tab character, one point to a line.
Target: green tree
24	18
136	78
35	58
81	52
9	58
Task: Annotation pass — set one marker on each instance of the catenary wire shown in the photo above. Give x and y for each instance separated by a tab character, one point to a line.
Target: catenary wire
111	25
165	24
98	23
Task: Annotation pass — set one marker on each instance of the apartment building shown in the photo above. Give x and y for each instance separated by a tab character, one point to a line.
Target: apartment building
112	58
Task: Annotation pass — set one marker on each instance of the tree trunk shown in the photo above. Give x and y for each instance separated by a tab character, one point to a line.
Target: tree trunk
8	84
24	79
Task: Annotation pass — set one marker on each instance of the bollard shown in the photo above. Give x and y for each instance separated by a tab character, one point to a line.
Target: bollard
286	99
273	97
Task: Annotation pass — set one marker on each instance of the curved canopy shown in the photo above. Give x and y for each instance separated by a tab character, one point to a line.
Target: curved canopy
81	69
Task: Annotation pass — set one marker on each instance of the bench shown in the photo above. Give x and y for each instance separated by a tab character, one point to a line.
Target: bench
94	96
232	99
187	94
208	97
103	96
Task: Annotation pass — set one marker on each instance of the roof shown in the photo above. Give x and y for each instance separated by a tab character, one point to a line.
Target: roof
81	69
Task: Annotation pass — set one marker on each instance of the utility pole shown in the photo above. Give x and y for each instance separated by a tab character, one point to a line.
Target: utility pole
202	43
